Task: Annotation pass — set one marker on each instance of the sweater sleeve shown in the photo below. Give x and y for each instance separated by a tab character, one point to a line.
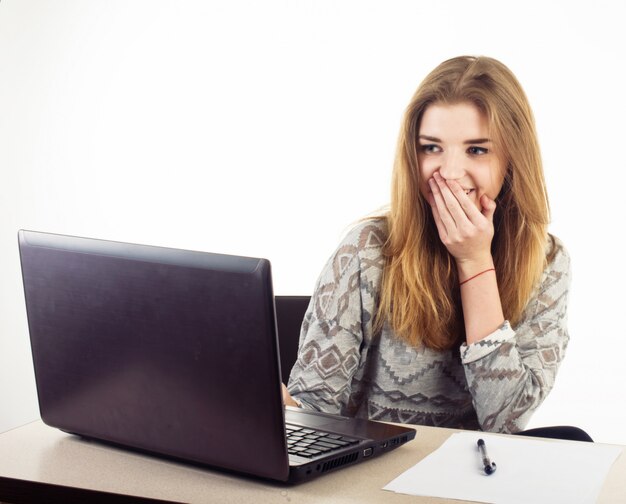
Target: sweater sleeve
511	371
331	337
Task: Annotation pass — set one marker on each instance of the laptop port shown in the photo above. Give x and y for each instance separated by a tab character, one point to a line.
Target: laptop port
368	451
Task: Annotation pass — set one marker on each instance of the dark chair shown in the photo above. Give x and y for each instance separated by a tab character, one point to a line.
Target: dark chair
558	432
290	312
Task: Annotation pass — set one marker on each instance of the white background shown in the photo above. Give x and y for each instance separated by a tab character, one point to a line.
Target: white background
267	128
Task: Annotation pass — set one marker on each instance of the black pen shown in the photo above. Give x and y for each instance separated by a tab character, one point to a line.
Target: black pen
489	467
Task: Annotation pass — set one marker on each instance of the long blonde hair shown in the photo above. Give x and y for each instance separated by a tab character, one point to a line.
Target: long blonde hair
420	296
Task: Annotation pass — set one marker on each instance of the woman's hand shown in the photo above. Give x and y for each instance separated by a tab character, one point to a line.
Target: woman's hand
287	399
465	230
467	233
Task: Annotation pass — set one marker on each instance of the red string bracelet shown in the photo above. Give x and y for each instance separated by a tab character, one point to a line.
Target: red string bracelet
477	274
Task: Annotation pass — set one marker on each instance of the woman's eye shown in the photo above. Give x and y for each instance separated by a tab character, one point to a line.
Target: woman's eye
477	151
430	148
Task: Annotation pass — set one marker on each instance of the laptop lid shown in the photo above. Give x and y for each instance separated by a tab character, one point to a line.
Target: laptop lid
164	350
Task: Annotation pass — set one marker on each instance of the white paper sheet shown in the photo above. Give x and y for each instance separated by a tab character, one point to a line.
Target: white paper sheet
528	471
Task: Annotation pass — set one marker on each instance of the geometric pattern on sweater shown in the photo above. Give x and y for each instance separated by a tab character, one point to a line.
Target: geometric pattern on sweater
494	384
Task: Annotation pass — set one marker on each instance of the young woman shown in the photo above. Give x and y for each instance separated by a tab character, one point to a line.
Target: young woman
450	310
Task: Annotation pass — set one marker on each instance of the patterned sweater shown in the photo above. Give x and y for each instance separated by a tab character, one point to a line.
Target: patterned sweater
495	384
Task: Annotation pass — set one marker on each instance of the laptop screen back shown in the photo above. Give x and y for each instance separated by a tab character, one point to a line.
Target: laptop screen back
164	350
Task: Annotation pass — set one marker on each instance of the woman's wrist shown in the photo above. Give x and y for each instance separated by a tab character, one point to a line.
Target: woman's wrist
463	282
470	268
288	400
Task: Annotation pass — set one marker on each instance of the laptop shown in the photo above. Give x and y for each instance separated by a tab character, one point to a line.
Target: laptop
175	353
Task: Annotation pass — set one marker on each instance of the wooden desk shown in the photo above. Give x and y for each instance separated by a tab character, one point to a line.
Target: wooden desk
36	459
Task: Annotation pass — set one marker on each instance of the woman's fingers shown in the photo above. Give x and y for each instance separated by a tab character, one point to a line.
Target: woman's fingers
447	222
443	233
460	205
464	229
489	207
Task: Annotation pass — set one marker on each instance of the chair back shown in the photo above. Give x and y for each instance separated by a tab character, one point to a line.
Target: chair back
290	312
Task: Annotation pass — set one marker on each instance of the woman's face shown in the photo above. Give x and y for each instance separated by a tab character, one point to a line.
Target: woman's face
454	140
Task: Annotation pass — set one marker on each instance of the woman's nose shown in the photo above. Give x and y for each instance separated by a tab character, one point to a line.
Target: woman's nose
452	166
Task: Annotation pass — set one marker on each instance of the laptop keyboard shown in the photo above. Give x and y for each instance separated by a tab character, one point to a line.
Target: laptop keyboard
311	443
